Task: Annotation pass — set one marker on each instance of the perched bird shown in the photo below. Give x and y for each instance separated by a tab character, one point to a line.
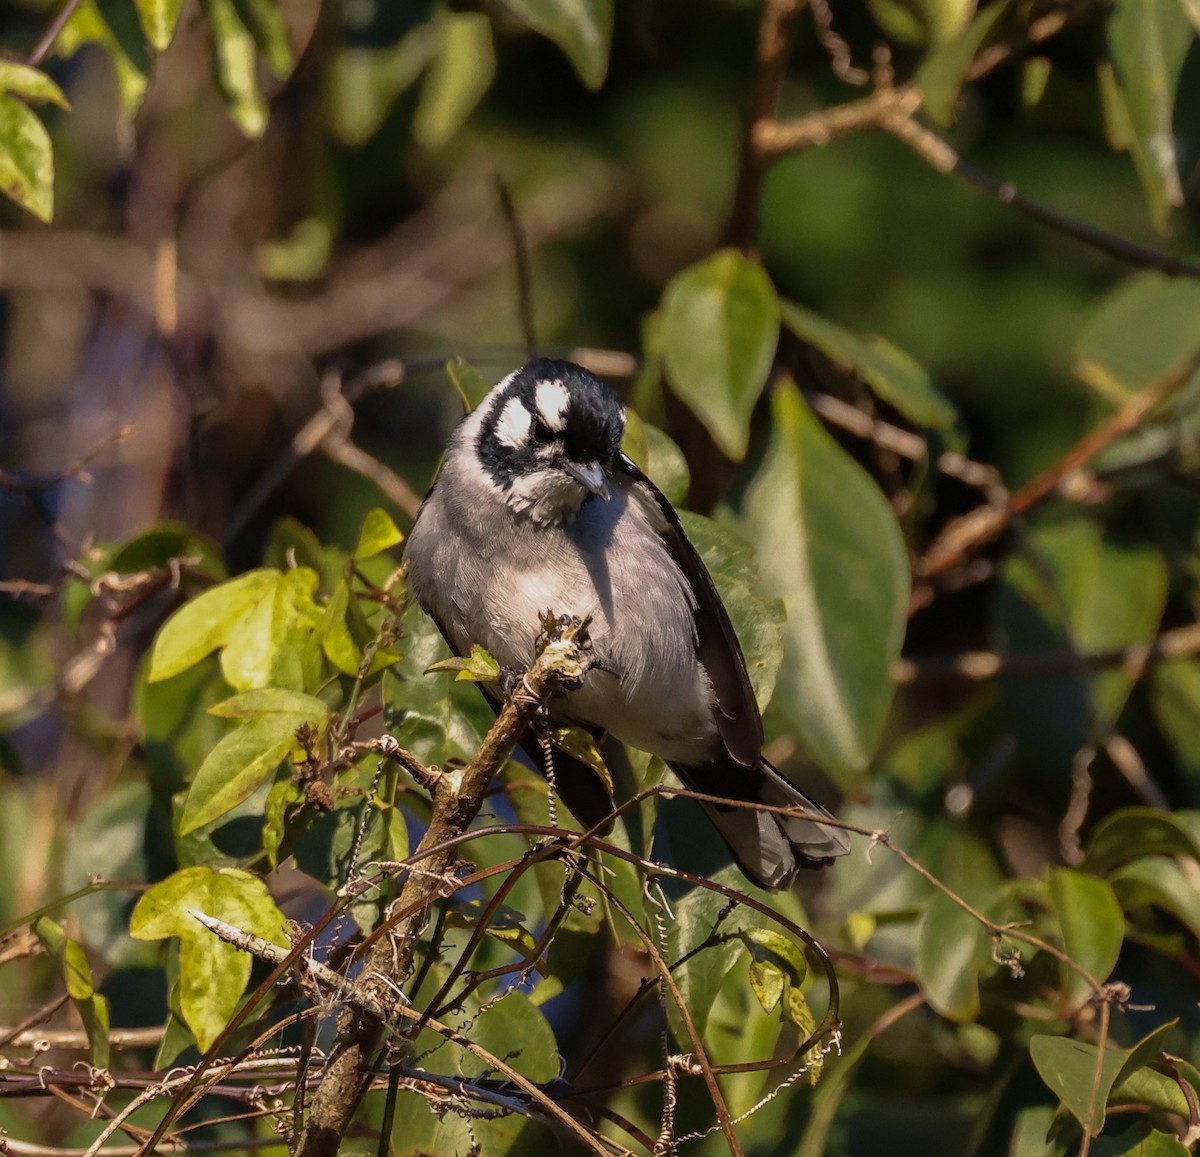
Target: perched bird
536	509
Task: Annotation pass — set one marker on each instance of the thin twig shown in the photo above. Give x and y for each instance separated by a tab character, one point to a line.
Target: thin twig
984	524
521	265
42	49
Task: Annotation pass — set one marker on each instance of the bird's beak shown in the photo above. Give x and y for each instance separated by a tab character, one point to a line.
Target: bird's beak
589	475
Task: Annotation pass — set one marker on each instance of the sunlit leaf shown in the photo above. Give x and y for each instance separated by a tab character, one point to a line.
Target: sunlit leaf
720	329
31	84
365	81
26	158
700	976
581	28
88	25
159	18
235	66
830	547
478	667
247	757
460	74
212	973
207	622
378	534
896	377
265	647
270	34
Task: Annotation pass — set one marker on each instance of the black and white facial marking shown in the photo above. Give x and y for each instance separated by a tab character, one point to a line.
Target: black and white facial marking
548	435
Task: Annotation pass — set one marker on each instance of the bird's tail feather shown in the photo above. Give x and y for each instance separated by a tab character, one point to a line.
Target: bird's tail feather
769	847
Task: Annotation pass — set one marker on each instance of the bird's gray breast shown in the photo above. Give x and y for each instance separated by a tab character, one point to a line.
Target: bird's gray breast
489	576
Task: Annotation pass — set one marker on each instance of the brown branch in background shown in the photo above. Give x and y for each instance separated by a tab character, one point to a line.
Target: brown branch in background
521	265
982	525
311	435
770	64
457	797
42	49
980	666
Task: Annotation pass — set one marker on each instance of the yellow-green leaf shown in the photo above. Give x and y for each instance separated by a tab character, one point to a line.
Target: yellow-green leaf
26	158
212	973
159	18
460	74
235	65
378	533
207	622
31	84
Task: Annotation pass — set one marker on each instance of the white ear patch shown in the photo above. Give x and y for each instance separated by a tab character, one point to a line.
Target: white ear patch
512	427
552	401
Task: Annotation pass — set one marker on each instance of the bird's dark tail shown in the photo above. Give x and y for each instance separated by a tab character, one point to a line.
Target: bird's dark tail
769	847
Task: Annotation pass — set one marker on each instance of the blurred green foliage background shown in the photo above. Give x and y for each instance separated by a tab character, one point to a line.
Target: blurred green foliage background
257	204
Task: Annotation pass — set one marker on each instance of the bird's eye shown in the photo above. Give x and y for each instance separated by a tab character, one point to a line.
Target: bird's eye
541	432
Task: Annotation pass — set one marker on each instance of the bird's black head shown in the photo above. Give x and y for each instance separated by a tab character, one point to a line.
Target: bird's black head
548	437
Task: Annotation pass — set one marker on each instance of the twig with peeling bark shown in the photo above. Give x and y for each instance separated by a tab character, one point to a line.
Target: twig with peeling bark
457	797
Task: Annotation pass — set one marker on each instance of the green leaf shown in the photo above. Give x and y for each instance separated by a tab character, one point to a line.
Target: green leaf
270	35
266	645
896	377
364	82
88	25
70	957
516	1030
235	67
757	620
246	758
953	948
26	158
378	534
1069	1069
159	18
468	381
478	667
701	975
579	742
1147	1086
1093	930
272	701
1086	592
212	973
830	547
581	28
943	70
460	74
1148	40
1142	331
720	328
1162	882
666	465
777	970
436	719
1134	832
206	623
1175	697
30	84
